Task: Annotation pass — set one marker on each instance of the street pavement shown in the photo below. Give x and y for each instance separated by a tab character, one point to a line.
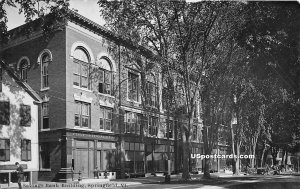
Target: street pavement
218	181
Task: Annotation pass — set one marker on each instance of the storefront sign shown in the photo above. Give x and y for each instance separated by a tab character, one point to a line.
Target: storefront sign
157	141
93	136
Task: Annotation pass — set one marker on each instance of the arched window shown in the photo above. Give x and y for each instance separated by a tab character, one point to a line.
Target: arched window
105	77
81	68
24	65
44	72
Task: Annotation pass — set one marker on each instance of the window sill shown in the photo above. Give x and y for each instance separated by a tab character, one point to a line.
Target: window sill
45	170
152	136
107	95
104	131
48	129
45	89
84	89
128	100
167	138
82	128
128	133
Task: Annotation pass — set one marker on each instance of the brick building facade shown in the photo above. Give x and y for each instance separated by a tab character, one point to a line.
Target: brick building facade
93	112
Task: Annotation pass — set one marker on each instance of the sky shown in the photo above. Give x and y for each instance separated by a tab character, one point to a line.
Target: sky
87	8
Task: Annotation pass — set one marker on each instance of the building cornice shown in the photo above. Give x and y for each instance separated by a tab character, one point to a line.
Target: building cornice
17	34
116	38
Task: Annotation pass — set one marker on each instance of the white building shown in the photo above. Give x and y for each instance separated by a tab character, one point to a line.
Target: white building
19	106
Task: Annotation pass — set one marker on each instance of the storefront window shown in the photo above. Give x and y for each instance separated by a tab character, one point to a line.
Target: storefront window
106	156
134	153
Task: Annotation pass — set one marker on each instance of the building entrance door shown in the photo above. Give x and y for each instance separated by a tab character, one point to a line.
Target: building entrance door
81	162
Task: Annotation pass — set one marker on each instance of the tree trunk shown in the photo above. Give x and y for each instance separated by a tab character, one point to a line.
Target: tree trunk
286	160
207	151
282	160
263	155
237	160
185	156
274	159
233	151
274	155
234	165
206	168
253	153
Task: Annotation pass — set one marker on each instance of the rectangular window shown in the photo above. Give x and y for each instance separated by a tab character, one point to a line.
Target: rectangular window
4	149
130	146
45	111
101	85
105	82
151	94
194	137
138	124
171	129
84	75
25	114
25	150
127	121
45	83
82	114
165	98
105	119
24	73
133	123
76	74
153	126
133	86
4	113
81	74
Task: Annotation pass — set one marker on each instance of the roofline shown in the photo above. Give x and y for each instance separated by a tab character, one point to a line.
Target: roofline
24	85
118	39
98	29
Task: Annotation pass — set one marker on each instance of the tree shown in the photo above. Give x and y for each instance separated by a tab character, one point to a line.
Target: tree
283	120
34	9
185	36
270	34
